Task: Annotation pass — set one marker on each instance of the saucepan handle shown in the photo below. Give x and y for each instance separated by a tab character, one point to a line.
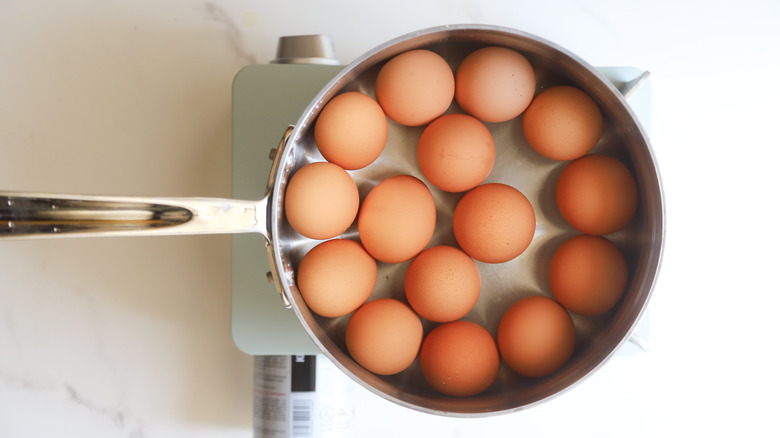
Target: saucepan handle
40	215
43	215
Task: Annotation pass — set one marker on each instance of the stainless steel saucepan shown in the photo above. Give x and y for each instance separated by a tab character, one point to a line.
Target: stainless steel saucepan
29	215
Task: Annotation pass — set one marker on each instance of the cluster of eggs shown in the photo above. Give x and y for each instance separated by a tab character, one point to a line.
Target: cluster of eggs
492	222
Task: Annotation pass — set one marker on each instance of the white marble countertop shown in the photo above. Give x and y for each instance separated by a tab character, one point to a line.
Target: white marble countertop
122	337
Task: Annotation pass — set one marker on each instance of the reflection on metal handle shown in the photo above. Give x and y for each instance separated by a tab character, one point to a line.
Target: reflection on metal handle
38	215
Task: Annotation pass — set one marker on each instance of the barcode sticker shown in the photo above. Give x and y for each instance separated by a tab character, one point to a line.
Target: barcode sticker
302	421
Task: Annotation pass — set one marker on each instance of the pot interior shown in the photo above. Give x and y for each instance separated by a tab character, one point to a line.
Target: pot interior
518	165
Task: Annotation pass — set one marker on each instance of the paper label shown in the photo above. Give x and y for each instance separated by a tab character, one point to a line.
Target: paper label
301	397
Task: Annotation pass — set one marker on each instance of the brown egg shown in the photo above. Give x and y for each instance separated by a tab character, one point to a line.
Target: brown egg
397	219
588	274
321	200
563	123
415	87
336	277
494	223
442	283
536	336
494	84
384	336
456	152
351	130
459	359
597	194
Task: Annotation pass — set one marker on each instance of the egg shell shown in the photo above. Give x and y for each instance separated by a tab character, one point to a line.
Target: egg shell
321	200
415	87
456	152
442	283
351	130
536	336
588	274
397	219
459	359
495	84
336	277
494	223
563	123
384	336
596	194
